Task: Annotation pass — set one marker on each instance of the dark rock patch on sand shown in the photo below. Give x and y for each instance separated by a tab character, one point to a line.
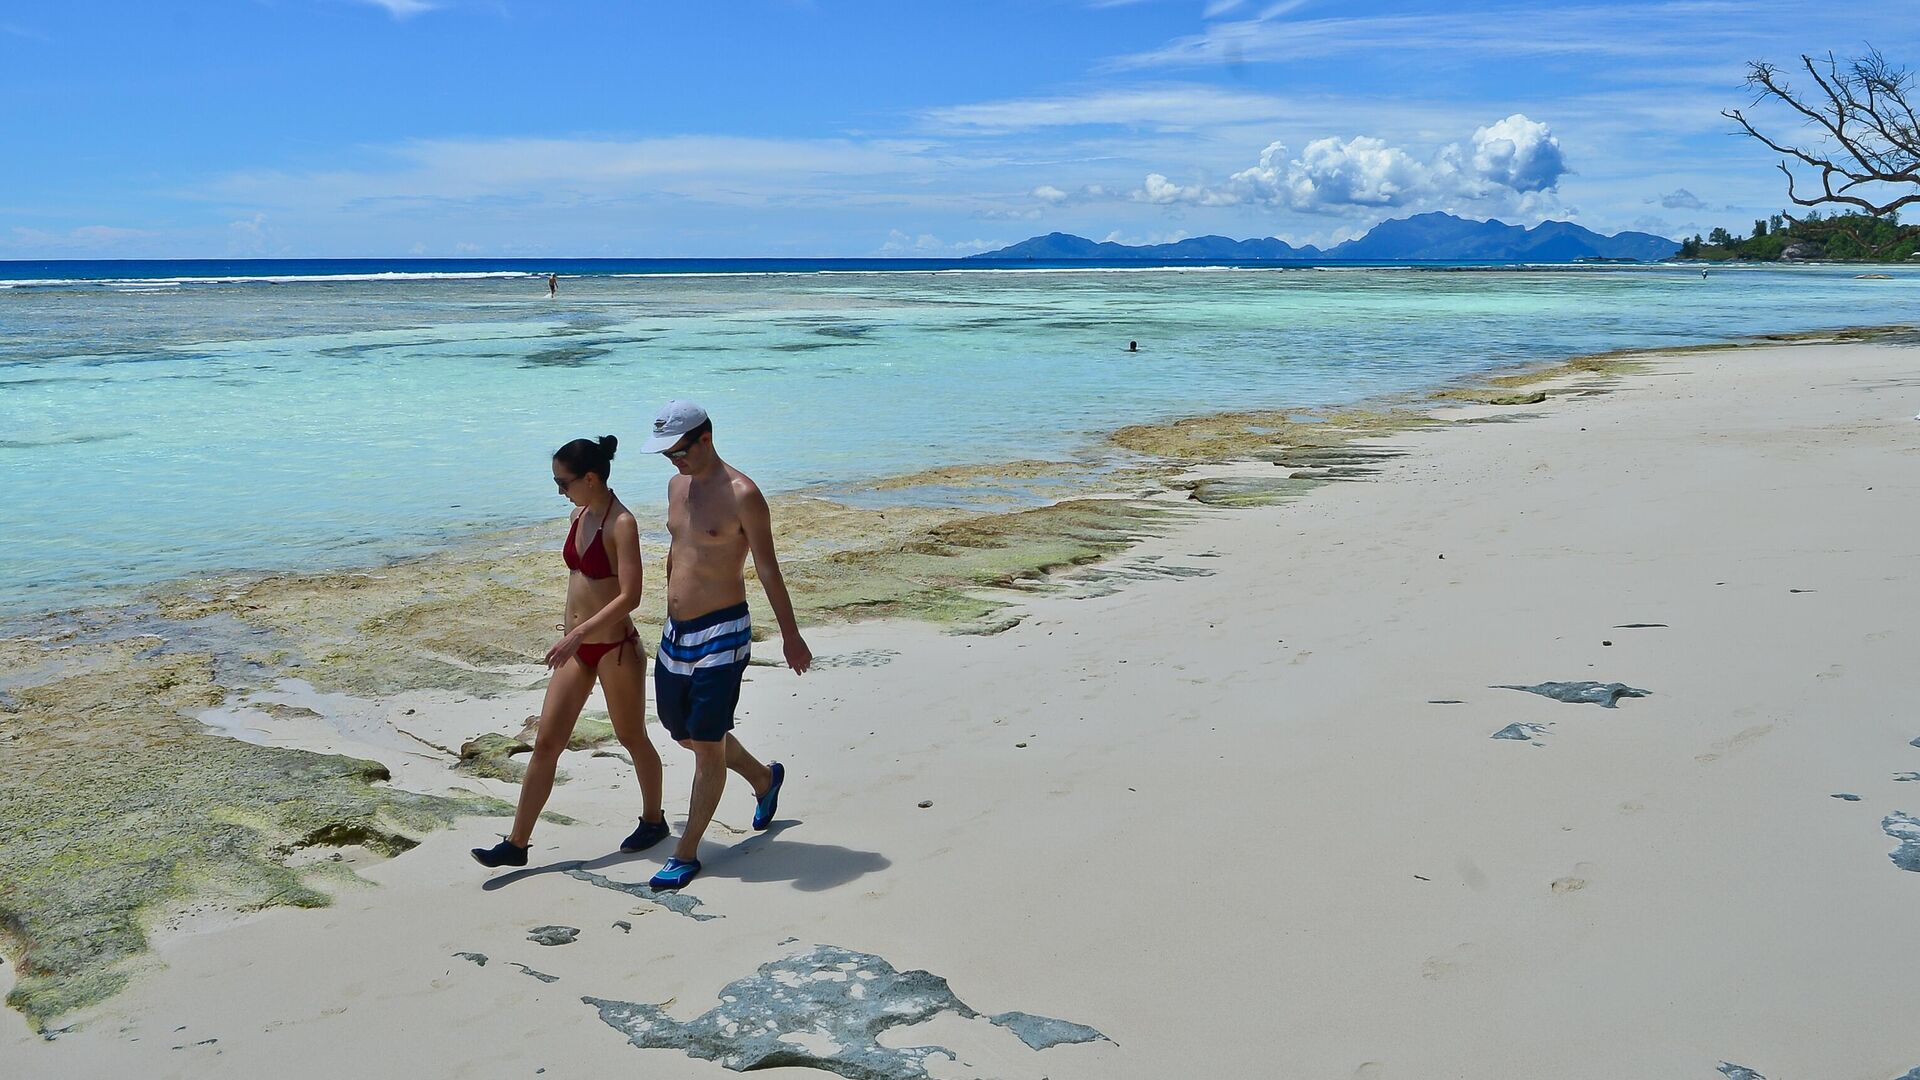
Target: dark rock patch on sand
1604	695
677	902
1043	1032
838	1003
1905	828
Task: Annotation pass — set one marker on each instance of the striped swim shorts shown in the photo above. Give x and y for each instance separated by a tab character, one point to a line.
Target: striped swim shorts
696	673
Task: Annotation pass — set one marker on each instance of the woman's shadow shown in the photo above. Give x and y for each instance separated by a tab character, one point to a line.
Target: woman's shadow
808	867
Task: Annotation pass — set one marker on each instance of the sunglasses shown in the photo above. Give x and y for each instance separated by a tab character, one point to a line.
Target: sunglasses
676	455
563	485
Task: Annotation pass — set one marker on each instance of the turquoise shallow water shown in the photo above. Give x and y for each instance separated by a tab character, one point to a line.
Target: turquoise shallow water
150	431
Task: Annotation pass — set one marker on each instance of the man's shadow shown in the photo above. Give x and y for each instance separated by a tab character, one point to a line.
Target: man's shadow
808	867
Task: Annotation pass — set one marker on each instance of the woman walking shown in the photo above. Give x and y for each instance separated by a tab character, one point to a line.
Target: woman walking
602	554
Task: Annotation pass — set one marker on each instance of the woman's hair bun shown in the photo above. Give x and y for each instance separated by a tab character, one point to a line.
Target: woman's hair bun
609	443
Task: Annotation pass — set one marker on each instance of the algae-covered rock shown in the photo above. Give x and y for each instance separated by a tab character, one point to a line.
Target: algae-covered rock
589	732
451	621
1220	436
1492	397
117	805
1243	491
491	756
935	573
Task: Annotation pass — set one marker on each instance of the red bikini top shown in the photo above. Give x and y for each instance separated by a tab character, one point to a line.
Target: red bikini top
594	562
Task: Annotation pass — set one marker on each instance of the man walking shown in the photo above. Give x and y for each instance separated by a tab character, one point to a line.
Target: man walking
716	517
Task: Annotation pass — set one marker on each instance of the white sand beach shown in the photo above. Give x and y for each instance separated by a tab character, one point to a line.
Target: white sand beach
1248	820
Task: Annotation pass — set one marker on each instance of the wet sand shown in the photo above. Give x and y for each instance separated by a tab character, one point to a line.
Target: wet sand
1232	796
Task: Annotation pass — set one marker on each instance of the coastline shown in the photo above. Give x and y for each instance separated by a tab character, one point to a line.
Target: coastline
952	569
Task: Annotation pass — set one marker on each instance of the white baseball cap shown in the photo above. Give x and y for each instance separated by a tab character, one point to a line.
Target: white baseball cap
674	420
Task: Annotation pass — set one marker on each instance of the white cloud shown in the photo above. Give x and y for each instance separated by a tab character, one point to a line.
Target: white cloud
1119	237
1159	189
80	240
1681	199
1516	162
1054	196
403	9
1517	153
929	246
1625	31
1329	173
1173	108
718	169
252	236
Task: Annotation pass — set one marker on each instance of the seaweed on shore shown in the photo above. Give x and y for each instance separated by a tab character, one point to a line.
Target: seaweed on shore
118	805
937	574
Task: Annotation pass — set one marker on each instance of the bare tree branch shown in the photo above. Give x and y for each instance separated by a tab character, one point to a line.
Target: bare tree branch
1866	126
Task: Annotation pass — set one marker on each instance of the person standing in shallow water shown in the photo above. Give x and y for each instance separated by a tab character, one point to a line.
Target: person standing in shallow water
553	284
717	517
602	554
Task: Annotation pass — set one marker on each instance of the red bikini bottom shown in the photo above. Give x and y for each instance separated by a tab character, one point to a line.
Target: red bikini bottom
591	652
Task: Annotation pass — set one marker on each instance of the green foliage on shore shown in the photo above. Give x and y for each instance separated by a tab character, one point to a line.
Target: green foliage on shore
1847	237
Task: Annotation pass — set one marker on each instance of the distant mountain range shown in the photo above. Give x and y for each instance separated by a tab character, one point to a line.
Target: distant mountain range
1434	237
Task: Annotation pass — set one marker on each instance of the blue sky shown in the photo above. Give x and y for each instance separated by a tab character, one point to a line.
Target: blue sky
793	128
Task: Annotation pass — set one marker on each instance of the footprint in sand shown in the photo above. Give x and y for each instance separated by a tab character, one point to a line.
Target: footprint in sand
1446	964
1471	875
1583	873
1723	747
1370	1070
